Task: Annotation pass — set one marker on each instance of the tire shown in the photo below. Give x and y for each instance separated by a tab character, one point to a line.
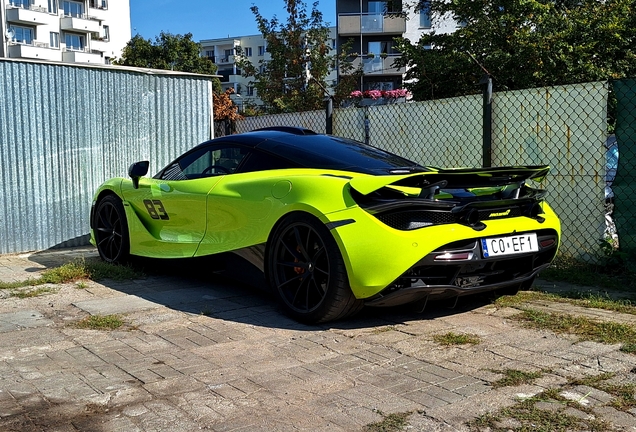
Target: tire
111	230
307	273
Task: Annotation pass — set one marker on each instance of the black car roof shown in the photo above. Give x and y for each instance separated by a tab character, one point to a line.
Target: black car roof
313	150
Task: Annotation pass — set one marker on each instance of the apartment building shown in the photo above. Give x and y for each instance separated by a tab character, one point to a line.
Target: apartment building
71	31
371	27
223	53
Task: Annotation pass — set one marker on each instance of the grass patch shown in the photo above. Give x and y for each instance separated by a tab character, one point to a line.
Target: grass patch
31	293
623	393
629	348
390	423
583	299
513	377
585	328
451	338
609	273
592	381
100	322
526	416
78	270
384	329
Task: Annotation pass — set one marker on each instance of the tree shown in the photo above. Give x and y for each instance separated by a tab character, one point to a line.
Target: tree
225	112
522	44
169	52
294	78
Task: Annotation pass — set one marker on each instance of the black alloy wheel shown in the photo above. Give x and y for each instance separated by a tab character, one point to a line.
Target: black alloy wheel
111	230
307	272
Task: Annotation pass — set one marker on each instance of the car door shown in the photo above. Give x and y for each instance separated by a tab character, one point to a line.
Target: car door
241	202
173	205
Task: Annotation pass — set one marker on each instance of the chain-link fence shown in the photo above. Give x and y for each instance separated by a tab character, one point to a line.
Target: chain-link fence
565	127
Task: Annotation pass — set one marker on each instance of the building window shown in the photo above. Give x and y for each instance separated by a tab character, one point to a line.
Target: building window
74	9
248	51
55	40
106	33
74	42
107	60
22	35
250	90
226	57
98	4
21	3
261	50
53	7
425	15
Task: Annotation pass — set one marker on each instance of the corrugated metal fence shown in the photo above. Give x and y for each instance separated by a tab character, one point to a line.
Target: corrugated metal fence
64	129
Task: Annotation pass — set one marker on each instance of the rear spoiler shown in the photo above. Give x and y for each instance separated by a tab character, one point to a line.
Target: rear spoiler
460	178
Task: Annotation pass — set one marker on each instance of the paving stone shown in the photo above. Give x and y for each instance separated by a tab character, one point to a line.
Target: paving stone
250	368
618	418
115	305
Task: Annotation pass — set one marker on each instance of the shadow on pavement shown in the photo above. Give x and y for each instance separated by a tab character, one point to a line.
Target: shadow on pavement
227	287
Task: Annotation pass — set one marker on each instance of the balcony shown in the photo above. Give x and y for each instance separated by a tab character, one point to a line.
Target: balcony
82	24
37	50
378	65
33	15
100	45
85	56
356	24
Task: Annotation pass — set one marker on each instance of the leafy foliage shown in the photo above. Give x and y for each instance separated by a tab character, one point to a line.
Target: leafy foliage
294	79
224	107
168	52
522	44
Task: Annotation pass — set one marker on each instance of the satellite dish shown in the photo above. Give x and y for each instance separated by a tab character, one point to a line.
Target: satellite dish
10	33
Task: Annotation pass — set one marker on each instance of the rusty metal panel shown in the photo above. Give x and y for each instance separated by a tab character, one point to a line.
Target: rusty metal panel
64	129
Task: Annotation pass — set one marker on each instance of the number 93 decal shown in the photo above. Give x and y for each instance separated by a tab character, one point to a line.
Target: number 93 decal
156	210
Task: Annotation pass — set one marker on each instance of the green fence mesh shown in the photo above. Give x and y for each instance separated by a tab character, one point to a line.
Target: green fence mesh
624	185
565	127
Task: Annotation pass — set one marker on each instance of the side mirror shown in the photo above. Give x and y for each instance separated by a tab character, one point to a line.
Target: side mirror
136	170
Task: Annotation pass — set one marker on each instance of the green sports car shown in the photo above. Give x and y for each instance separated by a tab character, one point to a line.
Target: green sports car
332	223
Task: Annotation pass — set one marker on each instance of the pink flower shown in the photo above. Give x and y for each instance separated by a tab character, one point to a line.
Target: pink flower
356	94
373	94
394	94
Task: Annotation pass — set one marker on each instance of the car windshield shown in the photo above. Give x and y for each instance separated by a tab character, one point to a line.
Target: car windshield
328	152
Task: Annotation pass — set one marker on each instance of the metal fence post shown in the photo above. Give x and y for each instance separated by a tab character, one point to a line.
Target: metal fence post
329	114
486	82
367	126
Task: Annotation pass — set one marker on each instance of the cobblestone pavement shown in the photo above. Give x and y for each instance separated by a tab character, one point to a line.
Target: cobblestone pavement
199	352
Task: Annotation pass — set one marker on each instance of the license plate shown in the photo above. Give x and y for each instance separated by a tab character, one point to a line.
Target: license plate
509	245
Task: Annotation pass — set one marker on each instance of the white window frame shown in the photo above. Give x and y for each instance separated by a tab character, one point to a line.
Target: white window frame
79	13
53	7
54	40
80	37
426	21
19	32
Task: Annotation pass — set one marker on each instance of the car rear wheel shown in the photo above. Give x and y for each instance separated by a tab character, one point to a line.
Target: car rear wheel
111	230
307	273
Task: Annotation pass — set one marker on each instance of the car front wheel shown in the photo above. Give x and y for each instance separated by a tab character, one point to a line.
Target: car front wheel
111	230
307	273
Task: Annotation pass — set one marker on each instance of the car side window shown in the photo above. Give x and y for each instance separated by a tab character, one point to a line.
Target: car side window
206	162
261	161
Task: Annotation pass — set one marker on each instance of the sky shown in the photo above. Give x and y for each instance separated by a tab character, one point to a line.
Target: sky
210	19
